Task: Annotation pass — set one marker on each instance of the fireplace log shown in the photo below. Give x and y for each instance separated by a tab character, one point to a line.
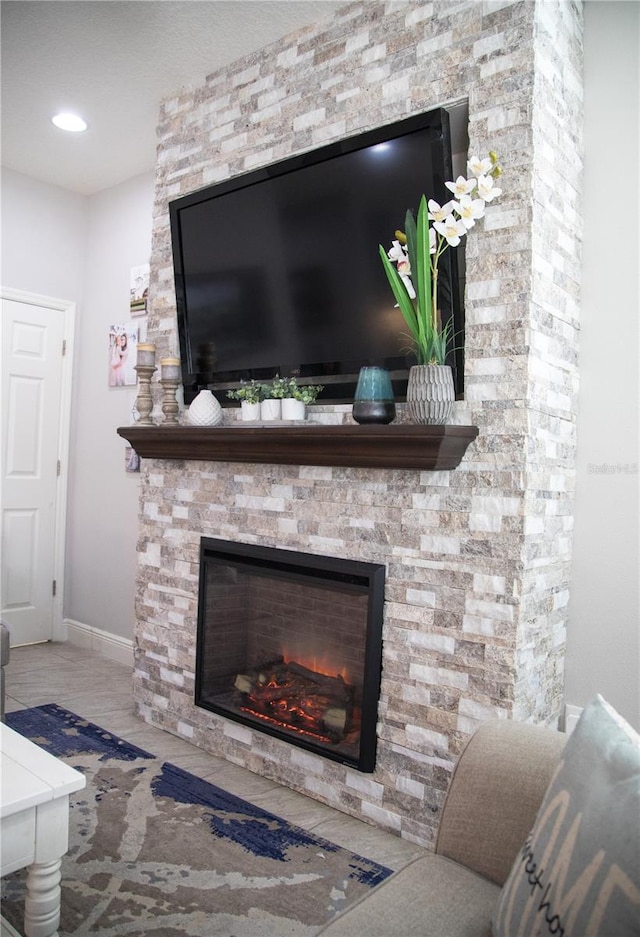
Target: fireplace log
291	690
321	679
295	691
295	695
335	719
244	683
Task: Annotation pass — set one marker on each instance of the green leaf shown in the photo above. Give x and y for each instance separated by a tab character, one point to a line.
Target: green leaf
423	270
412	251
410	233
400	293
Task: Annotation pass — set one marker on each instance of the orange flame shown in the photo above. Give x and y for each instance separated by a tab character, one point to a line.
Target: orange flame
319	664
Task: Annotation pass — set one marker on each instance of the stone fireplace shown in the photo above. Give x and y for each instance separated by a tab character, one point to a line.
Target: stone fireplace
290	643
476	559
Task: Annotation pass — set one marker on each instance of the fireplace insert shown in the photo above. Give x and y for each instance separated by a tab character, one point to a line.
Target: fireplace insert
290	644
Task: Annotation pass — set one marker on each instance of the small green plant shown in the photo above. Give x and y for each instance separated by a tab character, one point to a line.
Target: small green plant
279	388
249	391
282	387
307	393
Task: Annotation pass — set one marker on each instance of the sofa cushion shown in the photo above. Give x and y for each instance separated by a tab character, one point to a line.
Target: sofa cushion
432	897
495	792
578	873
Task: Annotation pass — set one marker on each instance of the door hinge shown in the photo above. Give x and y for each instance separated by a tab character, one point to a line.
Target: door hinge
64	347
54	587
58	468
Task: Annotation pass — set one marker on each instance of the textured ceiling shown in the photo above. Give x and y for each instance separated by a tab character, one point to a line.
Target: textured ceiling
113	61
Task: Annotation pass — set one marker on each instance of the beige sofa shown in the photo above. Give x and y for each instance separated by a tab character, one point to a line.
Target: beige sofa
497	787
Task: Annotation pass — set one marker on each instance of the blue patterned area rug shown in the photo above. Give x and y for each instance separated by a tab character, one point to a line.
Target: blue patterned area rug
156	851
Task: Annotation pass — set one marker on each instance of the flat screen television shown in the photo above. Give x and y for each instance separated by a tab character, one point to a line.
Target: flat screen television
277	271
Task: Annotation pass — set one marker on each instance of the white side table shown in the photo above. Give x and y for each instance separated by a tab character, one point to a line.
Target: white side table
34	818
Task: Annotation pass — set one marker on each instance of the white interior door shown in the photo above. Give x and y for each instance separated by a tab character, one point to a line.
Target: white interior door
33	417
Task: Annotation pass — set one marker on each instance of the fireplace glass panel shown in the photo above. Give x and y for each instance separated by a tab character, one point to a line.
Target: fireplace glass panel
290	643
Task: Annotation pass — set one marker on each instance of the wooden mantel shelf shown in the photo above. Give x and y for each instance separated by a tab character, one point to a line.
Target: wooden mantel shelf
401	446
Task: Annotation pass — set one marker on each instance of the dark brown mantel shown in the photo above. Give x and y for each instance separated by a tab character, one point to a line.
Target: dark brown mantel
401	446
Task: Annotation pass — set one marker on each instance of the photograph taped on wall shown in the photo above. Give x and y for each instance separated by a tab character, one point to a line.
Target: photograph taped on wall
131	460
123	344
139	290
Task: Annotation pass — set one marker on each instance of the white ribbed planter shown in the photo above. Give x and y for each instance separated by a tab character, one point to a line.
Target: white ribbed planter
249	411
430	393
270	409
293	409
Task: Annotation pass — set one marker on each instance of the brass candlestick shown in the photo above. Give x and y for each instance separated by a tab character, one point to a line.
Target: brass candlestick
144	401
170	378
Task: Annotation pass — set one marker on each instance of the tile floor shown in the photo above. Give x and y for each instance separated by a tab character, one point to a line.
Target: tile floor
100	690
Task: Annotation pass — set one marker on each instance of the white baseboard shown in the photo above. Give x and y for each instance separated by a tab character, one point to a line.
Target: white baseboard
99	642
571	716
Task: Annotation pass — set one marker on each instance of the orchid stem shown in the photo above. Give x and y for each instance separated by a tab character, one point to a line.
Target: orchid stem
434	310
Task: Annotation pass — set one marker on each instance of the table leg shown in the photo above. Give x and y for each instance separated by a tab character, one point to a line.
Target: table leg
42	904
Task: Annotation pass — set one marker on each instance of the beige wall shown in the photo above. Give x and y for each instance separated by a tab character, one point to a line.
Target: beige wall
604	621
67	246
44	234
103	508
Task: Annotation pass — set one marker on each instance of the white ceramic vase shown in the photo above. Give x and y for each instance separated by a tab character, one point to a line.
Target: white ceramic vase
293	409
270	409
250	412
430	393
205	410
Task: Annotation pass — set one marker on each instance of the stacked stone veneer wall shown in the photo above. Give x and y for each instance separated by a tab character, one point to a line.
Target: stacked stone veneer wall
478	558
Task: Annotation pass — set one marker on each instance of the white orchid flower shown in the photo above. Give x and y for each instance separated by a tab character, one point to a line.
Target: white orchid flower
461	186
451	230
469	209
486	189
402	261
398	254
439	212
406	279
479	167
432	241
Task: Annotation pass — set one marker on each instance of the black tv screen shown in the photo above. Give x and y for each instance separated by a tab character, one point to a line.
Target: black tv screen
277	271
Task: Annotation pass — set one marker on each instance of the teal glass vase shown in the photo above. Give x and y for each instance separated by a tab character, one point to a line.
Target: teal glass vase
373	401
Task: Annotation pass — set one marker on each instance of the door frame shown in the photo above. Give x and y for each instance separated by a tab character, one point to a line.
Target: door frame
68	308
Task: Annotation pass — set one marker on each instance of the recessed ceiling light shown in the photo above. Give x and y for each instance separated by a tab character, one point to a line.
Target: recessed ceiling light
70	122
